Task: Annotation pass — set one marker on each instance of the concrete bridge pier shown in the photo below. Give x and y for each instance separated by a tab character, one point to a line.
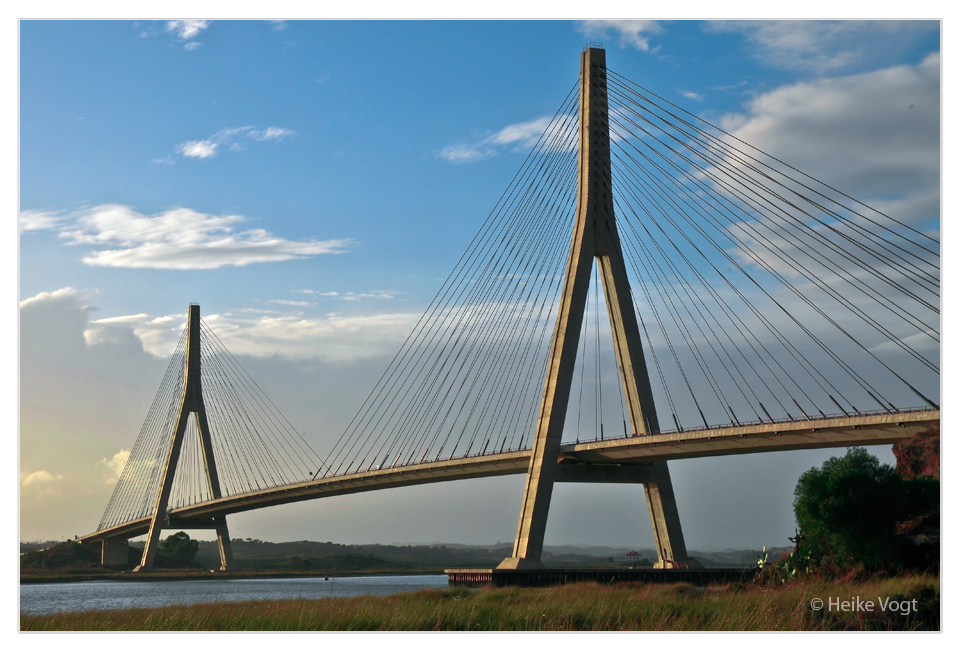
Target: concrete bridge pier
665	520
114	551
223	545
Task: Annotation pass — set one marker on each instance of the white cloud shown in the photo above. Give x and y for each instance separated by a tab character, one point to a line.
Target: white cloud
875	136
37	220
270	133
462	153
39	477
350	296
278	25
629	33
41	483
155	333
115	465
198	149
227	137
524	134
689	94
68	293
281	301
820	45
187	29
332	337
192	45
346	296
521	136
181	239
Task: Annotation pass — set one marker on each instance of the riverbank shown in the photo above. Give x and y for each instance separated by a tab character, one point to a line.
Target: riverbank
202	575
580	607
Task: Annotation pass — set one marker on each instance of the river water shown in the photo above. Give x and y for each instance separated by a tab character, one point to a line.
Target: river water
45	598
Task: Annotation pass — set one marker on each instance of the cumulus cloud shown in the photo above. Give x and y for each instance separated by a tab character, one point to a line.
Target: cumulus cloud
181	239
68	293
198	149
875	136
155	333
38	220
228	138
115	466
518	137
629	33
37	478
186	30
41	483
820	45
332	337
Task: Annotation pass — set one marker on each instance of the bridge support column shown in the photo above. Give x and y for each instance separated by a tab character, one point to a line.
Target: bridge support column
662	506
595	237
114	551
223	545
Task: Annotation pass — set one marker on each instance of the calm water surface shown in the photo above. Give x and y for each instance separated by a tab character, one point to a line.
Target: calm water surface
41	599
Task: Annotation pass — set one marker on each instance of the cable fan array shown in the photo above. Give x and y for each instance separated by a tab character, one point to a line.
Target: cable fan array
254	445
764	294
468	379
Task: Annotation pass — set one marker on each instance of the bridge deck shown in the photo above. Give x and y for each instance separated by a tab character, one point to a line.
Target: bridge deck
875	429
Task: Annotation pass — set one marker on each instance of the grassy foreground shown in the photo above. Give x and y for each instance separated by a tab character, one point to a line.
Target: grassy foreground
581	607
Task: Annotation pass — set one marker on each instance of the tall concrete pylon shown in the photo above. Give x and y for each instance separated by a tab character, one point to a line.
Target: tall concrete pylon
191	402
595	237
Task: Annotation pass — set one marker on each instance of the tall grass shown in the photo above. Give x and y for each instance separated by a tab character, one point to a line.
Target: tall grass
579	607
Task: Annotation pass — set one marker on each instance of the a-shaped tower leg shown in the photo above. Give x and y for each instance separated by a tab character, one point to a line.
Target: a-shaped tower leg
191	402
594	237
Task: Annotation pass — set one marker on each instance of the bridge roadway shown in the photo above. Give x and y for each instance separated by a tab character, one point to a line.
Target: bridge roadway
596	456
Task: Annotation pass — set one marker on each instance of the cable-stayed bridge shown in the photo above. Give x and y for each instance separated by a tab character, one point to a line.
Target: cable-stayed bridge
748	305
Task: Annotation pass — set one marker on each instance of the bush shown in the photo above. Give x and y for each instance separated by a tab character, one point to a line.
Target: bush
849	509
180	547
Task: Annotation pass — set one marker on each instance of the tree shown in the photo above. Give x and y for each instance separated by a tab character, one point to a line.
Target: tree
180	547
850	508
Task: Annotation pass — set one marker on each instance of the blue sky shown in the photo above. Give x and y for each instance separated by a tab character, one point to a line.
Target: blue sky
310	184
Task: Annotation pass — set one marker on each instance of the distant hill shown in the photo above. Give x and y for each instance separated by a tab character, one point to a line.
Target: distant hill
311	556
305	554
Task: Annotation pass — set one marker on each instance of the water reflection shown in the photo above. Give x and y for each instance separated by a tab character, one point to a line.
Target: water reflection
41	599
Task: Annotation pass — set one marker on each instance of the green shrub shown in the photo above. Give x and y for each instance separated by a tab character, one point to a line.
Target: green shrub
180	547
848	510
